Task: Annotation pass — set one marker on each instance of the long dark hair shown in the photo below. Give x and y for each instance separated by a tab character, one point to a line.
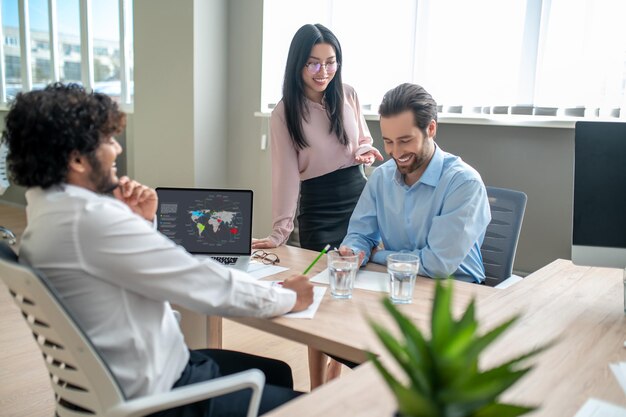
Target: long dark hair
294	98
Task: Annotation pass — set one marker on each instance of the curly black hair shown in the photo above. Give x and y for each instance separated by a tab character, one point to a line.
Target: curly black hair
44	127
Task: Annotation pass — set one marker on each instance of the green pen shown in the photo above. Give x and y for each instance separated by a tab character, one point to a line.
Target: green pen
316	259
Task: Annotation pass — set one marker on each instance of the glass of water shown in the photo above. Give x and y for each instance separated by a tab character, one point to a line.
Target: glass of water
402	269
342	271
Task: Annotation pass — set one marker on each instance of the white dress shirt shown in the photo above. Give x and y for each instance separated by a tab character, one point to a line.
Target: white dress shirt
118	275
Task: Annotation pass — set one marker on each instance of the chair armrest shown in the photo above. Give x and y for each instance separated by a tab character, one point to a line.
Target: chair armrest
513	279
253	379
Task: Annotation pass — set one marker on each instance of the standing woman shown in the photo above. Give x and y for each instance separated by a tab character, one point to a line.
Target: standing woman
319	140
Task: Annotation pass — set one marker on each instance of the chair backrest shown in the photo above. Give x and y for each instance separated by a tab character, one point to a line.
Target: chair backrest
82	382
498	248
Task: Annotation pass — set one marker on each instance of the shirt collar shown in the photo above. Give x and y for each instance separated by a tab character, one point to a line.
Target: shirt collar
431	175
60	189
314	105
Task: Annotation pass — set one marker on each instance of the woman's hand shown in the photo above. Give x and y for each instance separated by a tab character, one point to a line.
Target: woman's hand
369	157
265	243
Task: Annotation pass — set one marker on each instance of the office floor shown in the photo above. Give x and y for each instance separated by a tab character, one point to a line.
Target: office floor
24	386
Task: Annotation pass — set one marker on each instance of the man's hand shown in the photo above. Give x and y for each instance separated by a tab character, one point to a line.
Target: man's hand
344	250
140	198
265	243
304	291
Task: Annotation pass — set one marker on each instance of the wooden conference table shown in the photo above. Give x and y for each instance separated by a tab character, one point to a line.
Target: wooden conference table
580	307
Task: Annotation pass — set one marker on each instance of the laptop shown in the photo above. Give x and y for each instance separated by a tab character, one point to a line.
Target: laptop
208	222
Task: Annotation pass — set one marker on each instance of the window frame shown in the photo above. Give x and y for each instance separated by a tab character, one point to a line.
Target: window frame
86	42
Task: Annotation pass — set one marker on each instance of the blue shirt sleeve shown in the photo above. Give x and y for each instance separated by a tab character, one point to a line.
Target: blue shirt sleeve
363	233
461	224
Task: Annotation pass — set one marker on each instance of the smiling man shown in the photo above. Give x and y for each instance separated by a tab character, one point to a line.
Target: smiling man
424	200
91	232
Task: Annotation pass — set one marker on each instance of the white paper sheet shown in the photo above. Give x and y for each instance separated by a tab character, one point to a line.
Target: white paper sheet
259	270
619	370
309	313
597	408
365	280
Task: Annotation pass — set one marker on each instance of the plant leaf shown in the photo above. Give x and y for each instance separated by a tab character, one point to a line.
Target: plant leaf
410	402
481	342
483	389
463	334
398	352
416	348
412	367
441	318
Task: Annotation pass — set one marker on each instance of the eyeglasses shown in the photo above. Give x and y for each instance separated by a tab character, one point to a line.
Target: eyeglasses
267	258
315	67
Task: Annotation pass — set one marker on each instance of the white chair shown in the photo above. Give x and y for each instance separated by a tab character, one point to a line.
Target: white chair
82	382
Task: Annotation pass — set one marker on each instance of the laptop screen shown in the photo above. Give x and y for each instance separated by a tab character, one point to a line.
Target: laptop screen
206	221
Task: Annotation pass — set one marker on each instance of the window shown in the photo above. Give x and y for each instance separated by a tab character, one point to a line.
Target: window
584	61
39	34
71	70
100	50
11	41
41	69
561	57
12	68
68	43
41	45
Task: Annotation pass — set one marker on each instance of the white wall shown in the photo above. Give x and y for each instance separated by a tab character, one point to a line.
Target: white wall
179	136
248	165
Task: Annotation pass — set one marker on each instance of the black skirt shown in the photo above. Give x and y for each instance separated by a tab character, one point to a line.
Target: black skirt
326	204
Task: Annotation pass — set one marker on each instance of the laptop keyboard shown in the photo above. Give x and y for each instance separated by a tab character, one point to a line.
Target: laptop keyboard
226	260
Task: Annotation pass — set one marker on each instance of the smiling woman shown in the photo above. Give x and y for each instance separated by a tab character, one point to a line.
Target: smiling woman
320	142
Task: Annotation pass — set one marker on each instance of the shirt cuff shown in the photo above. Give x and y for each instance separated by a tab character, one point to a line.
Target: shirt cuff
365	148
287	300
277	239
380	257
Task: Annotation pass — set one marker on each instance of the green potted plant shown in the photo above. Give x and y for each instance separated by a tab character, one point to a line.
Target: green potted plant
443	378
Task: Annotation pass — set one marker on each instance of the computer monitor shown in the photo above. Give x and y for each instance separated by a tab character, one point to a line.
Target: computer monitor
599	226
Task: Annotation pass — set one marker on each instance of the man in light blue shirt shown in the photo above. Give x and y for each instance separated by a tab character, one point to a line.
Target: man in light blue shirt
424	201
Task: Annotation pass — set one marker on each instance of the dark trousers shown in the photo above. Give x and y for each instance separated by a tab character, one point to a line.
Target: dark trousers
207	364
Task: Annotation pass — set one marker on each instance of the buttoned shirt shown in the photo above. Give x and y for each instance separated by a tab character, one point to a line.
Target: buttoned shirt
441	218
118	275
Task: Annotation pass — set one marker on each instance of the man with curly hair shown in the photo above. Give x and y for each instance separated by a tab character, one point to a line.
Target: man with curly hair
93	235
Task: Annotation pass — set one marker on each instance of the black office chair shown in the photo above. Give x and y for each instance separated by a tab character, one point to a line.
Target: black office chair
500	244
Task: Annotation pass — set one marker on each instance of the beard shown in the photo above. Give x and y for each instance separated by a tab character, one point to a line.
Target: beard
418	162
101	178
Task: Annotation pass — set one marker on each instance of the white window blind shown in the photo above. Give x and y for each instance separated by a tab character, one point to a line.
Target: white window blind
542	57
